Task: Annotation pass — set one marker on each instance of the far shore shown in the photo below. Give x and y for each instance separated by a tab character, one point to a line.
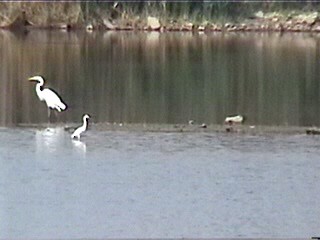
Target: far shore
271	22
188	27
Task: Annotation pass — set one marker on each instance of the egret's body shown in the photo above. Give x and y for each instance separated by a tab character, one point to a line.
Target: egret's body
81	129
51	98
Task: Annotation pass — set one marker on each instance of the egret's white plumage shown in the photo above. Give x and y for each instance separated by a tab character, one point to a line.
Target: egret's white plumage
81	129
51	98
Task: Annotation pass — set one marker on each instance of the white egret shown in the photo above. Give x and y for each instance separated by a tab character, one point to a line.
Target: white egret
81	129
51	98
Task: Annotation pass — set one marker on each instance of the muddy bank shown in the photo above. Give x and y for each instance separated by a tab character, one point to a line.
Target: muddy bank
183	128
210	128
76	15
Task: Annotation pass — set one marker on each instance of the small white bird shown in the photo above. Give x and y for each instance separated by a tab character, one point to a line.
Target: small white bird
234	119
81	129
51	98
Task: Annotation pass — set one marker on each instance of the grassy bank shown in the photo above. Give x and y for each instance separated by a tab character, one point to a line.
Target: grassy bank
164	15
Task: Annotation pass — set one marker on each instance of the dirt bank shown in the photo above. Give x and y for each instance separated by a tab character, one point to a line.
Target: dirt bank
184	128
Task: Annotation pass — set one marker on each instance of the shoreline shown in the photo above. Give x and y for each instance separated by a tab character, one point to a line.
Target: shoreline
258	22
181	128
188	27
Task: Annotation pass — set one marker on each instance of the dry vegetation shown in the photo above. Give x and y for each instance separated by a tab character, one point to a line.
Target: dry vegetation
164	15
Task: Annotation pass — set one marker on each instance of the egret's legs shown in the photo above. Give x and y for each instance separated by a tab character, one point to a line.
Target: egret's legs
49	116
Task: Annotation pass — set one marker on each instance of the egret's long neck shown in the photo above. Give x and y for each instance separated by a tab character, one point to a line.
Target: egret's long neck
39	90
85	123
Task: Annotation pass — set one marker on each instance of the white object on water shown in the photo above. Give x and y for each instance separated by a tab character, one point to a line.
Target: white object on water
234	119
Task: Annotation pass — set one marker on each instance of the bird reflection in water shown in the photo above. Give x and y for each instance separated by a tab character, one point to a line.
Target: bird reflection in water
79	147
54	141
50	139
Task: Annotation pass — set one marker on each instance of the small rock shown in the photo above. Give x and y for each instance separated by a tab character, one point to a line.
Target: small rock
229	129
203	125
228	25
259	14
316	29
153	23
201	28
89	27
187	27
313	131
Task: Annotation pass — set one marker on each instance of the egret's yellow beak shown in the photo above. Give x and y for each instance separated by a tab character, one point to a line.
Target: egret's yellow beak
32	79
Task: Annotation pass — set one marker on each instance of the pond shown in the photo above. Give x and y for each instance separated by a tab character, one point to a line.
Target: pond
133	182
129	77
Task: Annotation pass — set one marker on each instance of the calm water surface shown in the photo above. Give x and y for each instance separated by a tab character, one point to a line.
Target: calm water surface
115	184
273	79
138	184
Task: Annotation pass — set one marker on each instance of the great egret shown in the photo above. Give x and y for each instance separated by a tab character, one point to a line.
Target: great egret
51	98
81	129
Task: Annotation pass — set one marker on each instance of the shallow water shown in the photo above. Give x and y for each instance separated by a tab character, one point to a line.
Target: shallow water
155	184
160	181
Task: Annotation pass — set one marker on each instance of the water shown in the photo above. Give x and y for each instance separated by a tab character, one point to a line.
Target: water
163	78
136	184
143	184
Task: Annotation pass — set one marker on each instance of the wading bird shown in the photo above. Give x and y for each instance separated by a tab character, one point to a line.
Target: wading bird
81	129
51	98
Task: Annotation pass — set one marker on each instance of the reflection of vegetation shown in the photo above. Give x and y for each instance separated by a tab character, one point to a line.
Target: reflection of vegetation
164	78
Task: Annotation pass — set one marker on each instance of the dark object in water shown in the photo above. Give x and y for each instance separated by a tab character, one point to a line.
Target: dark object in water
313	131
203	125
229	129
